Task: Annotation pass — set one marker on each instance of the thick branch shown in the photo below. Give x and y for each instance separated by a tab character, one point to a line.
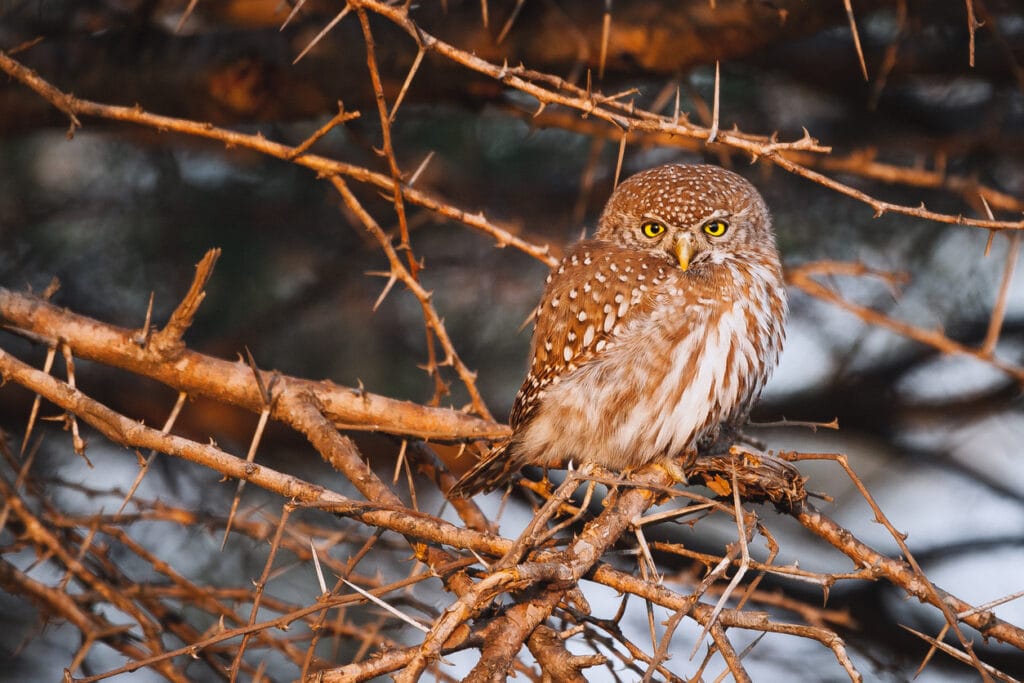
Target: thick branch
232	382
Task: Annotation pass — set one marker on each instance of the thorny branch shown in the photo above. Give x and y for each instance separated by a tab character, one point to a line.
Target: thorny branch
232	382
580	559
503	594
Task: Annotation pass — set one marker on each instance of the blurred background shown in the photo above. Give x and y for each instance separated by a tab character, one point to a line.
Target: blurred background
120	211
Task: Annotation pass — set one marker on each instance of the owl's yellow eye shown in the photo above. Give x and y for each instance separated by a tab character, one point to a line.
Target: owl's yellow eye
716	227
652	228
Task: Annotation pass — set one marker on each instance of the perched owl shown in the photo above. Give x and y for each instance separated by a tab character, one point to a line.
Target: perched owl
653	340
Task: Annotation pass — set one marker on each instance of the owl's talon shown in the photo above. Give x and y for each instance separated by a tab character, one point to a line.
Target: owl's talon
675	470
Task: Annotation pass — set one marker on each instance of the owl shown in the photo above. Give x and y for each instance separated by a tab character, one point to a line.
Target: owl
653	340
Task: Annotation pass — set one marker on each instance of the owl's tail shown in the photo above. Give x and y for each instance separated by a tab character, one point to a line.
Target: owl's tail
493	470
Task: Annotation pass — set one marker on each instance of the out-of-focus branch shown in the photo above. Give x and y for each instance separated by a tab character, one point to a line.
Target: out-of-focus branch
57	602
44	539
803	277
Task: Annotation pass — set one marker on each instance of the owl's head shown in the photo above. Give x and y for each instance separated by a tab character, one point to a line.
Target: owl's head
697	213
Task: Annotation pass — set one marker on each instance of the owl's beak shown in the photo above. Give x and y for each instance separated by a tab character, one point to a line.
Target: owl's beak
683	249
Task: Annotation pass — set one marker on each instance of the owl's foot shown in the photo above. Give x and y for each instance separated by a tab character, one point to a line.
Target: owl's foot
674	467
589	470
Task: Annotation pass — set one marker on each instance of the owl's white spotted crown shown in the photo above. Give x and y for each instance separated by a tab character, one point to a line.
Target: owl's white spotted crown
681	194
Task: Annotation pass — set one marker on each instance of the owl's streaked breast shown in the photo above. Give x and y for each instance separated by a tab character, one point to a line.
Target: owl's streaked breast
695	357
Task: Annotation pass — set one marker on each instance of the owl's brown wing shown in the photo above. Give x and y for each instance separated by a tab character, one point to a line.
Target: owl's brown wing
595	292
490	472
